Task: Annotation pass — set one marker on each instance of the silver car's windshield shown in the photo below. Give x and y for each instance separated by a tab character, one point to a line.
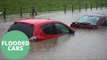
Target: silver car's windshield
89	19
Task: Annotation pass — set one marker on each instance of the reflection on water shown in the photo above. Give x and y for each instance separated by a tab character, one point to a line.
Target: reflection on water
42	46
85	44
81	34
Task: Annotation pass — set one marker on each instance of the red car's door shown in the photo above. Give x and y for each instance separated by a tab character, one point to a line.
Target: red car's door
49	31
53	30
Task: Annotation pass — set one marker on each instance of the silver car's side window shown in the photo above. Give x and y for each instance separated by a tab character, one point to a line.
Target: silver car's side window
104	23
106	18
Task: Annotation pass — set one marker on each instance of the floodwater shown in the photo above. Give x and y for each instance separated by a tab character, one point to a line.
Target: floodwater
85	44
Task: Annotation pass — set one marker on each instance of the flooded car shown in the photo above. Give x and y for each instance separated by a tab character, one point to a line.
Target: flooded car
92	21
41	29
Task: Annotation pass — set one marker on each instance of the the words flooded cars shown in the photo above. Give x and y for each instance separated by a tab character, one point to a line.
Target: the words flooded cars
41	29
91	21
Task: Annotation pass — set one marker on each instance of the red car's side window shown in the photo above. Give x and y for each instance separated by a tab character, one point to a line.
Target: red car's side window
49	29
62	29
55	28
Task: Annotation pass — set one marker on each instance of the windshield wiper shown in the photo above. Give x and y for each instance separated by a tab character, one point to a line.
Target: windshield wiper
85	23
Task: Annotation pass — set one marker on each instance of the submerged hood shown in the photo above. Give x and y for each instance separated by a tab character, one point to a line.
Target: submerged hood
83	25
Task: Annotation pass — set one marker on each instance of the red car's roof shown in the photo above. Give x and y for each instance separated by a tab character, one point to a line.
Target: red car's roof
36	21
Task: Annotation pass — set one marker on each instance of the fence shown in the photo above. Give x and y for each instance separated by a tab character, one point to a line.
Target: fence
91	6
33	12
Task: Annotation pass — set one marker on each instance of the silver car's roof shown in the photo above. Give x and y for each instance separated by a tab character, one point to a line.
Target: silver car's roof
98	14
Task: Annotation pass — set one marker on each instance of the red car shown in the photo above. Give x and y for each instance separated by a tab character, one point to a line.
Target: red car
91	21
41	29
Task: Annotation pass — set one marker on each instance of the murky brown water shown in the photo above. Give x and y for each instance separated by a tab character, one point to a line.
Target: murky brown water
85	44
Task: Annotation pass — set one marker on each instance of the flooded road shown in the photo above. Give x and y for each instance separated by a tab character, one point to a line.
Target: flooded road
85	44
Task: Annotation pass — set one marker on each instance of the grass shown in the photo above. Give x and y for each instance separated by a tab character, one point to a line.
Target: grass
13	6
